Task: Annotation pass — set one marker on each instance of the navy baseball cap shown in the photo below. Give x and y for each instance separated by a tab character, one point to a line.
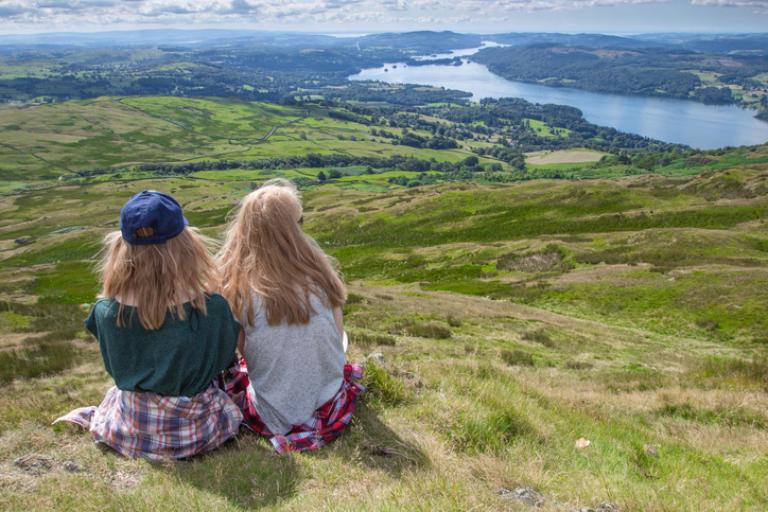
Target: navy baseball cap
151	217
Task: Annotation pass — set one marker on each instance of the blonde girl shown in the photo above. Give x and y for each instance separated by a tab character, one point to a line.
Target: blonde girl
294	385
164	335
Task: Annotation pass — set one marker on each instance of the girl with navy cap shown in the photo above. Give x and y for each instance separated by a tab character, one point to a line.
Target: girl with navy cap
165	337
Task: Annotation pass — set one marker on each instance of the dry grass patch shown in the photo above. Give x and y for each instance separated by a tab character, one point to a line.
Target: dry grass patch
567	156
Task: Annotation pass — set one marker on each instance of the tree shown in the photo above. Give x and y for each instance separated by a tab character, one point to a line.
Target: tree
321	177
471	161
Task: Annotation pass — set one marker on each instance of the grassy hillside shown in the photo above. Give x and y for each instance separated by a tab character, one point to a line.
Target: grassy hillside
48	141
137	137
513	319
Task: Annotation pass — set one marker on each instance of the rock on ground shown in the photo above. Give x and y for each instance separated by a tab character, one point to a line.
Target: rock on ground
377	358
527	495
34	464
603	507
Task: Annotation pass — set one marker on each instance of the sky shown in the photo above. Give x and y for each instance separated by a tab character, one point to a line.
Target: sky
324	16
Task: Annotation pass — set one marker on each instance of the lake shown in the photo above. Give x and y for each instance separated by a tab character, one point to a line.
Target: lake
685	122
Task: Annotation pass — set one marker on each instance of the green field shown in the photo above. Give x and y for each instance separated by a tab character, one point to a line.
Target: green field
514	319
563	159
48	141
542	129
707	77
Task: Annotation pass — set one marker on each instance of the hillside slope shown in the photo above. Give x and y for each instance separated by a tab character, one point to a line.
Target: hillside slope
513	320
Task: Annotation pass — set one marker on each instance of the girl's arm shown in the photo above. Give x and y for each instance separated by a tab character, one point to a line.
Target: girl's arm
339	317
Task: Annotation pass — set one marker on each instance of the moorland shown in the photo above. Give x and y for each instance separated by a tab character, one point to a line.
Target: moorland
528	279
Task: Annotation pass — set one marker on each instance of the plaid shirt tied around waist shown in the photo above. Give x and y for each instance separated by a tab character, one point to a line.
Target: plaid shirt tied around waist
327	423
144	424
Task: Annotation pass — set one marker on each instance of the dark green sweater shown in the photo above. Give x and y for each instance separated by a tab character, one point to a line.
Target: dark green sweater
179	359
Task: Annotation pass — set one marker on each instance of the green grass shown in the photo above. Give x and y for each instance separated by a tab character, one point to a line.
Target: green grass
382	388
723	416
517	358
62	139
513	320
542	129
40	359
492	432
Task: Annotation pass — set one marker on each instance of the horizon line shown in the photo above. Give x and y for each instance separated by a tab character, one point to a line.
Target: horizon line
331	32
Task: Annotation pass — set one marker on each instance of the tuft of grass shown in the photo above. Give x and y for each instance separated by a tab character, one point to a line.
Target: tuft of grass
432	330
493	432
382	389
354	298
44	358
707	325
726	370
517	358
551	258
453	321
367	338
731	417
634	377
540	337
644	463
578	365
10	321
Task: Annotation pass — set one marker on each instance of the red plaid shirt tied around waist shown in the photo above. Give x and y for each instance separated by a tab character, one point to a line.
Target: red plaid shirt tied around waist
143	424
326	424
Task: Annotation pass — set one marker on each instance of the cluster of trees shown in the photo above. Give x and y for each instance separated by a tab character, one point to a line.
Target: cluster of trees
254	71
713	95
646	160
628	72
345	115
417	141
311	160
512	155
642	71
506	119
764	106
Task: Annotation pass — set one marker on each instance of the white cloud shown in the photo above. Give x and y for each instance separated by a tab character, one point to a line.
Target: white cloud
298	12
755	5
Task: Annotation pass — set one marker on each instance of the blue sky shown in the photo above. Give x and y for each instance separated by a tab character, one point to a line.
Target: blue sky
606	16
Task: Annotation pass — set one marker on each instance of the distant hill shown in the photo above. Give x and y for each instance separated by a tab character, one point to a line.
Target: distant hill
584	40
185	38
714	43
423	41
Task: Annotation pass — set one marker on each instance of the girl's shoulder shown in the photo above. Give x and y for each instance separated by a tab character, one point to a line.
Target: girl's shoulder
215	299
103	306
217	304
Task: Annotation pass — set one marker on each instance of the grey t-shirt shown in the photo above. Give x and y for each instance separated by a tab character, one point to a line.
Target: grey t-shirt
293	369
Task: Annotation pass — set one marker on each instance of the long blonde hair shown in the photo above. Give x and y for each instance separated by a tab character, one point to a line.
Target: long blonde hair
159	278
267	252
